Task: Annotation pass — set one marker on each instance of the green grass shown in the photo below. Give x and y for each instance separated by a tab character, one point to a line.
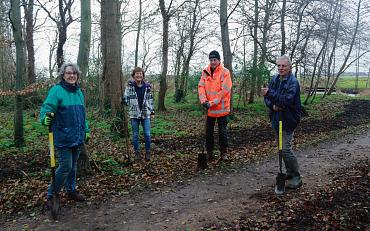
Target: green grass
163	126
350	82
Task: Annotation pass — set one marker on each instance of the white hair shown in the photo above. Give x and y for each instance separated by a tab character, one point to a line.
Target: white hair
74	67
286	58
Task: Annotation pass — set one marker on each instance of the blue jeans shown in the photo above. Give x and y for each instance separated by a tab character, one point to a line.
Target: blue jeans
65	174
145	123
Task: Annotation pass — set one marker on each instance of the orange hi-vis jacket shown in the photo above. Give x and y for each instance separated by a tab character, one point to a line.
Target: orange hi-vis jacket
216	89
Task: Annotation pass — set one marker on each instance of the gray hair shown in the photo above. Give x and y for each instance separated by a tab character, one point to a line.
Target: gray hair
286	58
63	68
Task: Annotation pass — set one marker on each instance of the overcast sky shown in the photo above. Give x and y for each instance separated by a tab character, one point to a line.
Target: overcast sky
45	34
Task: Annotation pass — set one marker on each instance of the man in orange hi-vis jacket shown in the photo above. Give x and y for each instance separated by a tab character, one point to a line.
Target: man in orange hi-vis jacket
214	91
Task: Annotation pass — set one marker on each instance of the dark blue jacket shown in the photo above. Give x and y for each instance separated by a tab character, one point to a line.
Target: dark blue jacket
284	93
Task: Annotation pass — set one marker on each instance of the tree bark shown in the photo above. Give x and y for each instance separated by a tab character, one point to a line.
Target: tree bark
163	77
28	10
282	27
111	50
83	62
85	38
255	54
138	33
228	58
15	18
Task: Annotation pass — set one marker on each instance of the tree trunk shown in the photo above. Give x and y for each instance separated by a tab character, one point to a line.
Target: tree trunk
28	10
228	59
20	71
163	78
111	50
255	54
194	28
138	33
332	53
85	38
282	27
83	62
343	67
178	77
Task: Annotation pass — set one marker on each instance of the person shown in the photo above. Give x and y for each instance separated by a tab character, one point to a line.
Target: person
69	126
282	97
214	91
139	98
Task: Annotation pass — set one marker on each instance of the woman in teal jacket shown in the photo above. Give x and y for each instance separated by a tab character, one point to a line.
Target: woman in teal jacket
69	126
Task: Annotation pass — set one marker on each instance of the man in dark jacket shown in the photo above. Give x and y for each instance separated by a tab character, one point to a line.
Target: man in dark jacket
282	97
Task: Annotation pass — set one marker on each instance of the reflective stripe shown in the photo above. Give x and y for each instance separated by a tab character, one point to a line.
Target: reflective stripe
226	87
219	111
211	92
216	101
201	84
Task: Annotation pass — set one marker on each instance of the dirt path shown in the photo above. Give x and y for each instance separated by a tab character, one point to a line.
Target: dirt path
206	199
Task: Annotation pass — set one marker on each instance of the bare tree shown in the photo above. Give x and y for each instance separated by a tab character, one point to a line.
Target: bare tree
52	47
85	38
344	64
255	54
15	18
228	57
282	26
63	20
83	63
6	57
138	32
28	11
193	31
111	53
163	79
321	54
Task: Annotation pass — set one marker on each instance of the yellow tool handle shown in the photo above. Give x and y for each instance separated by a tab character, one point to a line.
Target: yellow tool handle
280	135
51	150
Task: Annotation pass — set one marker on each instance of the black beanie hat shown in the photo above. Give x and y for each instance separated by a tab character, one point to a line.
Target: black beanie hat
214	55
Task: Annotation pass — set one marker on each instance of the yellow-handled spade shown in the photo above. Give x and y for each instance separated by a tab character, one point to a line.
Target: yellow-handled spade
280	178
55	202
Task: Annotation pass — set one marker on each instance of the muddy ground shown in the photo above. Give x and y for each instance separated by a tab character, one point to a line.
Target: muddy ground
233	200
240	197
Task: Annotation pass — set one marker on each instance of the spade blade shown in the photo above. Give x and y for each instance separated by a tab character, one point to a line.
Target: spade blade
55	206
280	183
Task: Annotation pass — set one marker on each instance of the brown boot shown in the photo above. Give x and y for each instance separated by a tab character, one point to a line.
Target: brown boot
202	161
137	155
147	155
74	195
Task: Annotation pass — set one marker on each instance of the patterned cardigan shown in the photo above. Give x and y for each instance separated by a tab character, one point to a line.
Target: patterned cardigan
130	99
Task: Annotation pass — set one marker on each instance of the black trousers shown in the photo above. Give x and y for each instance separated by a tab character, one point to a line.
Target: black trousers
222	133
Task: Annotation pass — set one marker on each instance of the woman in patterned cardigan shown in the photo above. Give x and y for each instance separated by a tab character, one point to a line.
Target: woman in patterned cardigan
139	99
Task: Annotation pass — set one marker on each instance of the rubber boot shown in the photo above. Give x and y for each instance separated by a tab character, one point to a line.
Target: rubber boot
137	155
224	155
294	180
147	155
202	161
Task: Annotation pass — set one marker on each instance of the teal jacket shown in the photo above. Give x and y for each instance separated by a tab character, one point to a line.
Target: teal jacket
69	124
